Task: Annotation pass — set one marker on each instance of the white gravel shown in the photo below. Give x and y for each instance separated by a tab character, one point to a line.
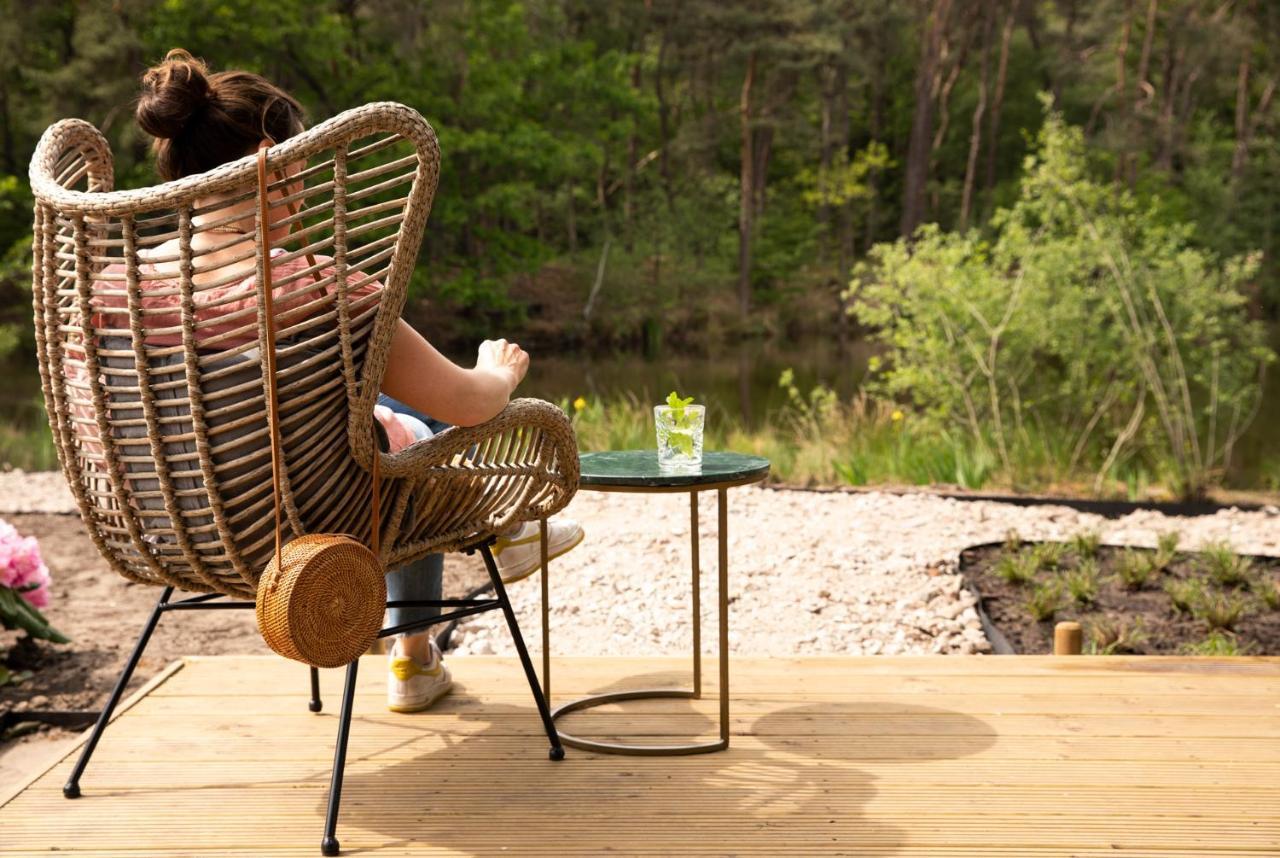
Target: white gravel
809	573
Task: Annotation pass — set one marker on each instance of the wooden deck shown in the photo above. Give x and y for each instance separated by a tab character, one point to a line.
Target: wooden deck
939	756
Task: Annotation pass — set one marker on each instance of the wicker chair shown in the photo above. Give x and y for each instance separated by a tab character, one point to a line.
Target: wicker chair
155	392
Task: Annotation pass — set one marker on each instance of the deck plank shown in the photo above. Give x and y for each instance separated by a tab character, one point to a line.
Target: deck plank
944	756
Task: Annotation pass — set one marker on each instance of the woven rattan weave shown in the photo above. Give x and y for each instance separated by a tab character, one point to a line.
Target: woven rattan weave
158	409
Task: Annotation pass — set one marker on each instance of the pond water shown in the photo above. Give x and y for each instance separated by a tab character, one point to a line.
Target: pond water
741	381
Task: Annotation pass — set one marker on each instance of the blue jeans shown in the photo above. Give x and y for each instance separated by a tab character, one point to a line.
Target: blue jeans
422	580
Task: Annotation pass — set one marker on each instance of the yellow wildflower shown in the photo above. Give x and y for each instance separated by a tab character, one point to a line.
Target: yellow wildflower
896	416
579	403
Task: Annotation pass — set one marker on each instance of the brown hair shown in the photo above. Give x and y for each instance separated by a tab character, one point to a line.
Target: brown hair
202	119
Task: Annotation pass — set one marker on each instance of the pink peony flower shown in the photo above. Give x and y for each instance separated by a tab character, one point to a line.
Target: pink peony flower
21	567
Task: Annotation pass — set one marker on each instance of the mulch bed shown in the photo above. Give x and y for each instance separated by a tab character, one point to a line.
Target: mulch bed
1117	611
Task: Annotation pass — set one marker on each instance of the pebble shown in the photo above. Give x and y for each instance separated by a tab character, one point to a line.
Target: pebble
813	573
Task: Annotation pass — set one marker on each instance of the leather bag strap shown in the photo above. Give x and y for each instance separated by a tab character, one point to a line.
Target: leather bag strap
273	402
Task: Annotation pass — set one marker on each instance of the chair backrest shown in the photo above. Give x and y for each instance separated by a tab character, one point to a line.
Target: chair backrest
150	356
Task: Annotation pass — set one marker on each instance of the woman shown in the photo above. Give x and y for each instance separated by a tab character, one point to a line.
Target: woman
201	119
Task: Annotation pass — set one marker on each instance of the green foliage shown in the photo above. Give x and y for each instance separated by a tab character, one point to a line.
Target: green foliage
1221	609
1086	544
18	614
1166	549
1012	540
1268	593
1017	568
1136	570
1184	594
1225	567
1114	635
1081	583
1050	555
1045	600
1087	315
1217	643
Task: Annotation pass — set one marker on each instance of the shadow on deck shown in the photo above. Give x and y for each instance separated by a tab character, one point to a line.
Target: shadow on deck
874	756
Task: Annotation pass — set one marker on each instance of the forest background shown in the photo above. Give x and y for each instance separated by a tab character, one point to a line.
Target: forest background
1033	241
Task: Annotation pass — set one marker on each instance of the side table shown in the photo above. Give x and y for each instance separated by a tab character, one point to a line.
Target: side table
637	471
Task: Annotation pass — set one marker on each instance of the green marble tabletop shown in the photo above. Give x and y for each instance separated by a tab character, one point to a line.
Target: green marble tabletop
638	469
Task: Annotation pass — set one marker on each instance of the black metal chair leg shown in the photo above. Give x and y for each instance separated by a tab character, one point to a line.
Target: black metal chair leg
557	750
315	705
329	845
71	789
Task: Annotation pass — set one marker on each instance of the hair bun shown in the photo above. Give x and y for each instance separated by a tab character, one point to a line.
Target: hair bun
172	92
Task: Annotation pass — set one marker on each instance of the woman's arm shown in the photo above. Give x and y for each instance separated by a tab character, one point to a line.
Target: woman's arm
425	380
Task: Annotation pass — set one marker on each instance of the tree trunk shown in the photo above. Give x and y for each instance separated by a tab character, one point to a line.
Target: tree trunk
997	98
919	145
975	132
746	191
664	122
944	83
871	228
1122	52
1142	91
629	173
571	221
761	149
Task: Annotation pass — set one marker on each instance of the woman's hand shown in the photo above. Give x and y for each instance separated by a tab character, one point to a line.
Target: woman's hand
422	378
503	357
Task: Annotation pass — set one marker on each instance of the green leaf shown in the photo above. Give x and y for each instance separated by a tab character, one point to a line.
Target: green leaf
17	613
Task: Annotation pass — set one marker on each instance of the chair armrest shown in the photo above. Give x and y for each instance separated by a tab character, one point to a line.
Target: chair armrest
520	466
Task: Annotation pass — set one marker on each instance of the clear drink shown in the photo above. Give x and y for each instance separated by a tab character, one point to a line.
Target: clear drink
679	437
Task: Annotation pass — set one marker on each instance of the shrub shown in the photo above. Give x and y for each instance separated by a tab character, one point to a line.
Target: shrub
1184	595
1225	567
1085	313
1166	549
1086	544
1268	593
1018	569
1012	540
1044	600
1221	610
1049	555
1082	582
1217	643
1135	569
1111	635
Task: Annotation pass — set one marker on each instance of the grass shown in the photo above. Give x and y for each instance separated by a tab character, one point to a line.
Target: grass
1217	643
1112	635
816	438
1225	567
1184	595
1086	544
1050	555
1045	600
1081	583
1018	569
1220	609
1166	549
27	447
1268	593
1136	570
1012	540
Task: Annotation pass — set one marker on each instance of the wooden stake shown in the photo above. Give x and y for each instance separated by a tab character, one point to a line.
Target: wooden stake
1067	638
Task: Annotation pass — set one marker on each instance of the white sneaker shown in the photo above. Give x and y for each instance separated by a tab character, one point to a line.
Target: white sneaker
413	686
520	554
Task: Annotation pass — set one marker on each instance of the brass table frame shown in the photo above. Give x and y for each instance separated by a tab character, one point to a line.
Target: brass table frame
695	693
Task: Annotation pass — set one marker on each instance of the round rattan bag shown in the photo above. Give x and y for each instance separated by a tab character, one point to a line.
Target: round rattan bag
321	598
323	603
